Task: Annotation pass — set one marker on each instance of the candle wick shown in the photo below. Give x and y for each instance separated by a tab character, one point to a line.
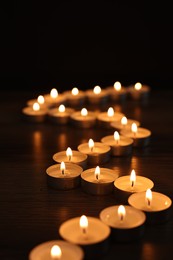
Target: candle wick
92	149
149	202
132	184
97	176
117	142
69	158
121	217
63	172
134	134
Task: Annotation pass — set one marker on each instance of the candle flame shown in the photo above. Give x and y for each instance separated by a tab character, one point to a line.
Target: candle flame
97	90
69	153
121	212
83	222
110	112
132	178
62	168
97	172
56	252
138	86
54	93
116	137
91	144
117	86
148	197
124	121
84	112
75	91
40	99
36	106
134	128
61	108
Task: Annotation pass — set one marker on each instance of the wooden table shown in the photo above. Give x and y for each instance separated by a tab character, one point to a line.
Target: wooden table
31	212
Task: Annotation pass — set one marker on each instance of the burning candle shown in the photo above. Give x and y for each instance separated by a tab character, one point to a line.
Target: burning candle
127	185
124	123
106	118
126	222
71	156
97	152
75	97
120	145
54	98
40	100
35	113
60	115
98	181
83	118
141	136
97	95
88	232
155	205
117	92
56	249
139	91
64	176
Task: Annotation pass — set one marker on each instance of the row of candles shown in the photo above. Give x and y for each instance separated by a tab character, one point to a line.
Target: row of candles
46	106
87	237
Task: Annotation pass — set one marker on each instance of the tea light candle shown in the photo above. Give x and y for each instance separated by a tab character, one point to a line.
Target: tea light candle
54	98
97	95
117	92
98	181
141	136
34	114
75	97
71	156
120	145
129	184
97	152
60	115
40	100
83	118
64	176
126	222
124	123
56	249
105	118
88	232
155	205
139	91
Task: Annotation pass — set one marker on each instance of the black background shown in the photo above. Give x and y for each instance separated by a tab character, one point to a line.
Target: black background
84	43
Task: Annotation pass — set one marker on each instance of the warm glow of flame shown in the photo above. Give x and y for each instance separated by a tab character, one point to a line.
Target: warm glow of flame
69	153
83	222
84	112
75	91
56	252
148	197
110	112
97	172
61	108
54	93
117	86
62	167
91	144
97	90
138	86
40	99
36	106
124	120
132	178
134	128
116	137
121	212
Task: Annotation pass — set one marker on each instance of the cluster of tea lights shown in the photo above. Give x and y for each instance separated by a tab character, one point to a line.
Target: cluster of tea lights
86	237
62	108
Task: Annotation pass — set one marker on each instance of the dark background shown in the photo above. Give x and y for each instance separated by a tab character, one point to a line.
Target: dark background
84	43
